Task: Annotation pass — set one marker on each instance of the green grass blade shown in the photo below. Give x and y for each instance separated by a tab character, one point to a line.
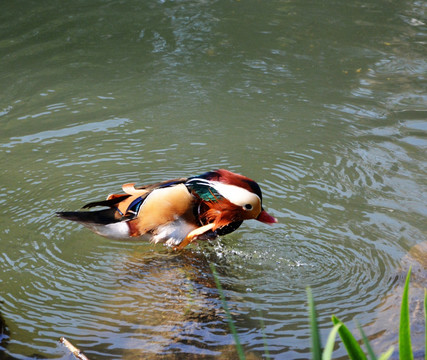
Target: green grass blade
405	348
425	321
353	348
387	354
264	337
329	347
233	330
367	344
316	349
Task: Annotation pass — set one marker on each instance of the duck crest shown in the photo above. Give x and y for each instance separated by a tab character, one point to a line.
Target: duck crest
230	178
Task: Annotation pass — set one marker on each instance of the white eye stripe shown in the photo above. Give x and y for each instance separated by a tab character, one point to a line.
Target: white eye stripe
235	194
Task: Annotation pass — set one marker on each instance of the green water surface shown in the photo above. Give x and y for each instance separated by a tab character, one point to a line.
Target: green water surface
324	103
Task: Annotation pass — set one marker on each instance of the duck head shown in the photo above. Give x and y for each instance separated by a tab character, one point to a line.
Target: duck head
229	197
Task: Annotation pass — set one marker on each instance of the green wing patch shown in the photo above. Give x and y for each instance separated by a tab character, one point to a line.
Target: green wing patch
203	189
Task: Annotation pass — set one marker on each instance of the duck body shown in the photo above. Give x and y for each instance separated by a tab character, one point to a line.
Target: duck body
178	211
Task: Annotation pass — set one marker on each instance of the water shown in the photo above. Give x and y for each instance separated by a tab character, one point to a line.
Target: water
323	103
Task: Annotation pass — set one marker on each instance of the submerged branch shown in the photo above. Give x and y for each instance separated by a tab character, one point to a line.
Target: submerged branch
76	352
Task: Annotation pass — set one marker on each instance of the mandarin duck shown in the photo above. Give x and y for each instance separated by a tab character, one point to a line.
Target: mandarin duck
177	211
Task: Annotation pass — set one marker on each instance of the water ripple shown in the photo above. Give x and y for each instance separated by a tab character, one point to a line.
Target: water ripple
49	136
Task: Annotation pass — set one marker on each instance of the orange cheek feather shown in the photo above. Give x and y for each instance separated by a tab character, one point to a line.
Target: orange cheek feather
222	213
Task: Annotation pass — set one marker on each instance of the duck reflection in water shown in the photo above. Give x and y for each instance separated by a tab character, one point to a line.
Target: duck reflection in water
167	306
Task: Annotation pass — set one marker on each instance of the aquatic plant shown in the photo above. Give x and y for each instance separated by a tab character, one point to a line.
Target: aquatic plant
227	313
354	349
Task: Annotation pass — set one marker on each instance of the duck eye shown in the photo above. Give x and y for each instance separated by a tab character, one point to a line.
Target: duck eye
248	207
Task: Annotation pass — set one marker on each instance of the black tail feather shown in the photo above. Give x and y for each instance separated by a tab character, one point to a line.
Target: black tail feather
102	217
109	203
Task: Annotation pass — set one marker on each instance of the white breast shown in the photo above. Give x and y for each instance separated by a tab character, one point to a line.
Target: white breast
173	233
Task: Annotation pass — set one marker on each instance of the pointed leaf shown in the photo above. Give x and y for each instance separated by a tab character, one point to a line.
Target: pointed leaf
329	347
405	348
425	321
353	348
387	354
367	344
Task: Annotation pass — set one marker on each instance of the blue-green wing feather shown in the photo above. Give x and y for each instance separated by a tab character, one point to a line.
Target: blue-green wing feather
203	189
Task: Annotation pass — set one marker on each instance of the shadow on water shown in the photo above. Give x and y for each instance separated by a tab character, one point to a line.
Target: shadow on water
166	307
163	305
4	333
4	339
